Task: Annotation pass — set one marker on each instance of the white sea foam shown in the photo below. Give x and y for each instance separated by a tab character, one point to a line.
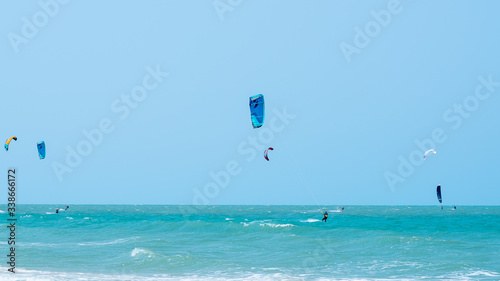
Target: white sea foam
39	275
140	252
483	273
38	244
117	241
473	274
268	224
310	220
276	224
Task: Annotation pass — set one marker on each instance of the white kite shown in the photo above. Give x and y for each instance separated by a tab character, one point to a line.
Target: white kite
427	152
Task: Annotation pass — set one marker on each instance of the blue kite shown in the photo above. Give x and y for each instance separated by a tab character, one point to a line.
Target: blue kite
257	110
41	149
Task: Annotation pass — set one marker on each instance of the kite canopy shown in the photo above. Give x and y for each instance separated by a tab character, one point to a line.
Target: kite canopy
41	149
427	152
8	142
265	153
257	110
438	191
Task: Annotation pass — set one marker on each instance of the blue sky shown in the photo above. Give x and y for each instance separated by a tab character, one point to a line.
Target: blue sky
343	123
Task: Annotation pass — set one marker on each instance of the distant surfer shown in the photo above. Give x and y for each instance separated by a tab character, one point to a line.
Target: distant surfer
454	207
67	207
325	216
342	209
57	210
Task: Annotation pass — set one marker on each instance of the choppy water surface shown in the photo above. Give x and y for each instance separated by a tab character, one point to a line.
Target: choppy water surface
253	243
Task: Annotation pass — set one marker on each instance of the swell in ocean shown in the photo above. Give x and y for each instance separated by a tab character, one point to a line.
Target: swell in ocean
96	242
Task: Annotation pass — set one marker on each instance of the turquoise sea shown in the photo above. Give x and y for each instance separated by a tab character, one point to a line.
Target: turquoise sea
142	242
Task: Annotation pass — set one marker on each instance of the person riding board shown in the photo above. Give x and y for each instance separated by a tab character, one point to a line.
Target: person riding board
57	209
325	214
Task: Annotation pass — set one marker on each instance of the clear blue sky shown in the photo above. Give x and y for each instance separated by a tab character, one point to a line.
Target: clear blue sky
408	71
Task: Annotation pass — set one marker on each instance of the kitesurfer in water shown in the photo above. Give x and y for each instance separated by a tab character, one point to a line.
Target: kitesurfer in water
342	209
66	208
57	210
325	214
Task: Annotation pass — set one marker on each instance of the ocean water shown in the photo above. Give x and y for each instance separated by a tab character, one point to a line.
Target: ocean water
140	242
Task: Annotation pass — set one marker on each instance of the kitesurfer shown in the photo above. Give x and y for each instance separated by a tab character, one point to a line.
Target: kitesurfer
454	207
57	210
342	209
66	208
325	216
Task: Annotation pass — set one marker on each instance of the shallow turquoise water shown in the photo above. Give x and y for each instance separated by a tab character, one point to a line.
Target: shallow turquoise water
253	242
